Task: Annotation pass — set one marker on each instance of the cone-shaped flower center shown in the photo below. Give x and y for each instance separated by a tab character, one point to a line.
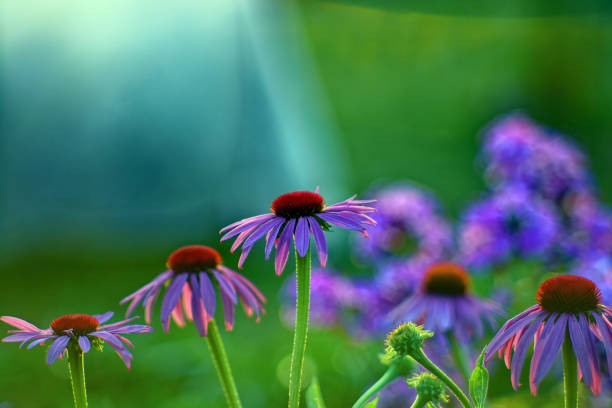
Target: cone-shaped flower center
79	323
446	278
568	294
297	204
193	258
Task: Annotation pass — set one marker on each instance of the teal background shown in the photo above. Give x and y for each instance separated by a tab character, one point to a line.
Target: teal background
129	129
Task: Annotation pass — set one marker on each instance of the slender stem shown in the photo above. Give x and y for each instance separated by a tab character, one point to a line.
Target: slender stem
570	374
301	328
419	402
222	364
389	375
76	368
422	359
459	357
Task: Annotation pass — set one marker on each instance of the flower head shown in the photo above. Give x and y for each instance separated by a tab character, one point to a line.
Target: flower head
407	339
511	221
78	330
568	309
444	303
298	215
191	294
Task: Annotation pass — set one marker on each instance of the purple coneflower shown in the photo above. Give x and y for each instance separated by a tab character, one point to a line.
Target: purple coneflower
510	222
298	214
295	217
76	334
191	295
568	316
444	304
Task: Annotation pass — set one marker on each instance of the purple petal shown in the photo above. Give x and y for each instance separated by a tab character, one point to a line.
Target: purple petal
228	311
40	340
172	297
546	350
271	238
246	220
132	328
302	236
244	280
339	221
19	323
580	348
282	251
84	343
242	236
243	256
57	348
248	300
15	338
199	317
319	238
107	327
521	349
244	226
116	344
509	329
591	354
104	317
263	230
606	338
225	286
207	292
148	304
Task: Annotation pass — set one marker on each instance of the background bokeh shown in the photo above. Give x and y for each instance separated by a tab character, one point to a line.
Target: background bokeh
131	128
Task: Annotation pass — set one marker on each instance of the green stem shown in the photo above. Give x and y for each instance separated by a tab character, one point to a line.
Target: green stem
419	402
422	359
76	368
222	364
301	328
391	374
459	357
570	374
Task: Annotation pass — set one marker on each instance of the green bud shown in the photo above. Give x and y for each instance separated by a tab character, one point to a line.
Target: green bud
428	387
407	339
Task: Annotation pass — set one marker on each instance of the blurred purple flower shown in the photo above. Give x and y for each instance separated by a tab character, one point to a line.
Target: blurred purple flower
568	310
597	268
510	222
80	330
408	226
332	295
191	293
397	394
517	150
444	304
295	217
588	225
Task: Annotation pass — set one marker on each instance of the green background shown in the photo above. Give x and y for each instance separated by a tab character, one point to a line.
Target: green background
130	130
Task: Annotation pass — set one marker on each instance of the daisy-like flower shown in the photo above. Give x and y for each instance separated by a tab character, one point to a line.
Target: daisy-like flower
78	330
191	293
568	314
299	214
444	304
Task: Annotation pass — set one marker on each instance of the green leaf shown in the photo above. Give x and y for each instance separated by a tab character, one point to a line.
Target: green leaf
314	399
371	404
479	382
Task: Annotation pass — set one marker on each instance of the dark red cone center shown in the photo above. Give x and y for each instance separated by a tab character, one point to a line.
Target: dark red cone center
79	323
297	204
568	294
194	258
446	278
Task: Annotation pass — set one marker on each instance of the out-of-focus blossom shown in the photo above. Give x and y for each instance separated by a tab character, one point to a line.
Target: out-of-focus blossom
332	296
517	150
409	225
588	225
445	304
597	268
510	222
396	394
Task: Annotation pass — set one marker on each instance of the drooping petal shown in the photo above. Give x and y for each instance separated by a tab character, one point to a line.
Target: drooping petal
245	221
262	230
339	221
173	294
591	354
606	338
199	316
177	315
225	286
509	329
132	328
580	348
57	348
15	338
302	236
246	225
319	238
271	237
547	349
521	349
241	237
244	280
39	341
116	344
207	292
84	343
228	310
282	251
243	256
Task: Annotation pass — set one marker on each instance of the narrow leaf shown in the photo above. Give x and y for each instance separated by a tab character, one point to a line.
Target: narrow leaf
479	382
